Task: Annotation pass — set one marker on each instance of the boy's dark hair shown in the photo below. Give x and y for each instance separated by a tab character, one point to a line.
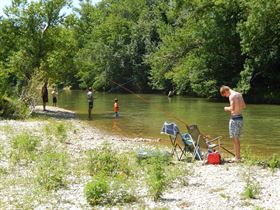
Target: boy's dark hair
90	88
116	99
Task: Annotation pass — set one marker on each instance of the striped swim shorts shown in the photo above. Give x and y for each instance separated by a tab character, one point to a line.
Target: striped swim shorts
235	127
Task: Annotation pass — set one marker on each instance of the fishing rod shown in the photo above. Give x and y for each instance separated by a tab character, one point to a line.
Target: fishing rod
131	80
148	102
165	112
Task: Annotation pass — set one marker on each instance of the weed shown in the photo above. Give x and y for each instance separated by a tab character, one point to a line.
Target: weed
224	196
52	169
23	147
249	158
157	178
107	190
57	131
97	190
8	129
273	162
259	208
3	171
251	191
219	189
1	151
61	132
107	161
180	172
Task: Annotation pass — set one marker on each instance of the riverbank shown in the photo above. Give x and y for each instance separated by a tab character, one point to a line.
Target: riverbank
202	187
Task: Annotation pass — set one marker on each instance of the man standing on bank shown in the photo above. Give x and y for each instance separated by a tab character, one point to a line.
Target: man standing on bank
237	104
45	95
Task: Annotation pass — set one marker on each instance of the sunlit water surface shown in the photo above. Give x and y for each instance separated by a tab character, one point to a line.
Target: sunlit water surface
143	115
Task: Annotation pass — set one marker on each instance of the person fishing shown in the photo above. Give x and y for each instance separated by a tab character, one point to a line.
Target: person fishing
237	104
90	101
116	108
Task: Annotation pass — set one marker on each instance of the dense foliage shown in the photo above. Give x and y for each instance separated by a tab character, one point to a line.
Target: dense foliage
189	46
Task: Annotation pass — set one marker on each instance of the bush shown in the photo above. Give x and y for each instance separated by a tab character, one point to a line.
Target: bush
52	169
61	132
97	190
23	147
107	190
156	174
107	161
13	109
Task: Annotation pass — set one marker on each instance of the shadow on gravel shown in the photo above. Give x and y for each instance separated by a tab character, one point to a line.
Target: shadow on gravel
54	112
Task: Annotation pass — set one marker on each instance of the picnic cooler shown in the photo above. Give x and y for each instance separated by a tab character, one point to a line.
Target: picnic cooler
214	158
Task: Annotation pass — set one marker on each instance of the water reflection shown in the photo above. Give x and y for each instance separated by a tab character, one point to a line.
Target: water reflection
141	119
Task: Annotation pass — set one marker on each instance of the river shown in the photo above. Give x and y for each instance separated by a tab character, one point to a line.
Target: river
143	115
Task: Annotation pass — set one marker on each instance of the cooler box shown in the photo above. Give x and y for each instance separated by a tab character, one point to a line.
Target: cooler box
214	158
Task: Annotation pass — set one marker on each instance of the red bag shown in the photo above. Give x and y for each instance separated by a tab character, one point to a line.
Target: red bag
214	158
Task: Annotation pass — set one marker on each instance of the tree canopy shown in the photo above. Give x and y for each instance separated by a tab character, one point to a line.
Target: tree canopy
189	46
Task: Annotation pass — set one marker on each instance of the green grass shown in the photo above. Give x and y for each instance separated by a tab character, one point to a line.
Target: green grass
52	169
271	162
107	161
57	131
23	147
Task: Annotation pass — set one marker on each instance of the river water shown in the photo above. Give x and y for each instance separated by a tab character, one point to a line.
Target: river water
143	115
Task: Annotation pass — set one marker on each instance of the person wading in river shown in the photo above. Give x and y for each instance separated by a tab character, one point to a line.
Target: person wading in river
237	104
90	101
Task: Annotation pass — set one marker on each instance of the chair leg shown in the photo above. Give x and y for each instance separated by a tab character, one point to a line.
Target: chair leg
173	142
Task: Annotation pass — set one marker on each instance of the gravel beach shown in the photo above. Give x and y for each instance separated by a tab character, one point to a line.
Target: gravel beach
208	186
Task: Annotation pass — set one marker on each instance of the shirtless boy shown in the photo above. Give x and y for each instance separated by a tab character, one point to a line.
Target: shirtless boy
237	104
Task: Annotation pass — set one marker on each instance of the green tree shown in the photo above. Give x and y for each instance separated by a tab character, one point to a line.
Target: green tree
202	53
259	31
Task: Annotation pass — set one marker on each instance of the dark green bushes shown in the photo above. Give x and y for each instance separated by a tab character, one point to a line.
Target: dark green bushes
13	109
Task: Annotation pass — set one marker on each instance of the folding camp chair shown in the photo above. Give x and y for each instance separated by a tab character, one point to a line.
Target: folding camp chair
181	143
211	143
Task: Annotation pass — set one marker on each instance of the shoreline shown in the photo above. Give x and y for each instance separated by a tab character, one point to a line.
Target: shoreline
209	186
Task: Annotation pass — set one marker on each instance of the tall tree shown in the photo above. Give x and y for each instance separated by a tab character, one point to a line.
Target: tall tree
260	40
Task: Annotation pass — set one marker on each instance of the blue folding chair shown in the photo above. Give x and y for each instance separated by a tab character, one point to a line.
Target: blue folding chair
181	143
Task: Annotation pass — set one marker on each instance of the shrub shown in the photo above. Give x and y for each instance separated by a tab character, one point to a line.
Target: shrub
14	109
97	190
61	132
23	147
52	169
57	131
156	174
107	161
107	190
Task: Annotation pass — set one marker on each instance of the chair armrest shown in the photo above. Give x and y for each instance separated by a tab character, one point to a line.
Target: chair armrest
215	139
